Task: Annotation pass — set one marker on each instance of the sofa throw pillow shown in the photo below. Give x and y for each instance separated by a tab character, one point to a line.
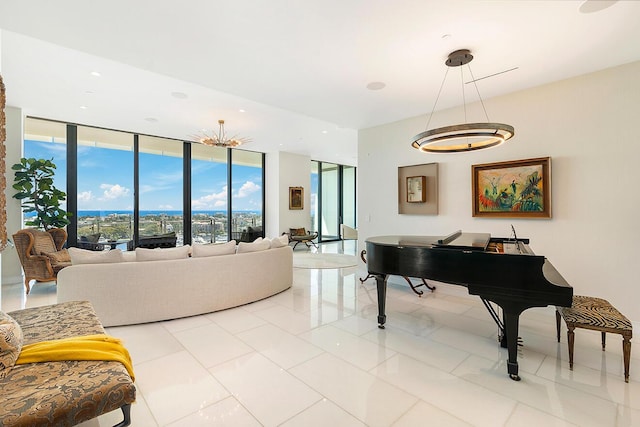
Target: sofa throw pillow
278	242
11	340
213	249
59	257
298	231
85	256
161	254
262	245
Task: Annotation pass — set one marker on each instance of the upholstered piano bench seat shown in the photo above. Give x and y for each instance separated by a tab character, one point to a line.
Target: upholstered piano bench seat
599	315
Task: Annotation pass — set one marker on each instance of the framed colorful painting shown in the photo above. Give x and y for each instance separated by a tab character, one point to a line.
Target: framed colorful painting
296	198
513	189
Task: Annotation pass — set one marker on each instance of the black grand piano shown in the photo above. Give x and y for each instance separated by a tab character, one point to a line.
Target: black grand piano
499	270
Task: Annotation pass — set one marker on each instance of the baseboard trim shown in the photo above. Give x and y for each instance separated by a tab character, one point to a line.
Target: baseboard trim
12	280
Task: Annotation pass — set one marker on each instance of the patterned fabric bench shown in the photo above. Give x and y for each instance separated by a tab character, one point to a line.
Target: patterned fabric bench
599	315
62	393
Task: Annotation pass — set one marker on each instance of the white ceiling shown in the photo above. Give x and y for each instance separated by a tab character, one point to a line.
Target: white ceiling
298	68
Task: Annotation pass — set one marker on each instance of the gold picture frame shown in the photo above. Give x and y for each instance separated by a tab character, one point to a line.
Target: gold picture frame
416	189
512	189
296	198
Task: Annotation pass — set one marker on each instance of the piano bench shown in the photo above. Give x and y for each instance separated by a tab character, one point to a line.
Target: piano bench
599	315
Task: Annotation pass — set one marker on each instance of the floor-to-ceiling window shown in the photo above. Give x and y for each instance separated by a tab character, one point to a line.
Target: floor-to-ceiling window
104	184
333	198
330	201
208	194
161	183
222	195
44	139
349	196
247	174
315	180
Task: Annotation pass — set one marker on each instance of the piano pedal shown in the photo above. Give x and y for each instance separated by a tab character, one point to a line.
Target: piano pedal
502	339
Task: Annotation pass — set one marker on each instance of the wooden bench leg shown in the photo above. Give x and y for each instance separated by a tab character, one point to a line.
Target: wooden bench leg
558	325
626	351
604	340
570	341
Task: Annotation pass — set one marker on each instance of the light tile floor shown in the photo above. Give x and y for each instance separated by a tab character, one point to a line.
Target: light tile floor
313	356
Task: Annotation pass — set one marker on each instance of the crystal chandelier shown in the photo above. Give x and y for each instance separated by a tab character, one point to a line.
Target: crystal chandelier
466	136
221	140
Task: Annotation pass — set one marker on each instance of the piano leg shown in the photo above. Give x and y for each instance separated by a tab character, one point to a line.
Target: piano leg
381	283
511	321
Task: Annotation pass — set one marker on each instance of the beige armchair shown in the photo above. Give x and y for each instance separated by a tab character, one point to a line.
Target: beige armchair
348	233
41	254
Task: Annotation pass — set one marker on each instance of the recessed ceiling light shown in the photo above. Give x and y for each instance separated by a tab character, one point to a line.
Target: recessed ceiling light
446	36
151	120
590	6
376	85
179	95
241	110
95	74
83	107
324	131
89	92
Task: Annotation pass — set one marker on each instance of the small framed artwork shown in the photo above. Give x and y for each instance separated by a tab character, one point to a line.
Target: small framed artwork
296	198
416	189
513	189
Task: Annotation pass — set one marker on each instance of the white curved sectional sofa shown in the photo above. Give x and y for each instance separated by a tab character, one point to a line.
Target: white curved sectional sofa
125	293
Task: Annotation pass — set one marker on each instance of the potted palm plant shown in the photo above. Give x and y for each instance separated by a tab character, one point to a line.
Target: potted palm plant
34	185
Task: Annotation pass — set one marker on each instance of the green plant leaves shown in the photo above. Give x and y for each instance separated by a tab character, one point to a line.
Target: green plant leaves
33	180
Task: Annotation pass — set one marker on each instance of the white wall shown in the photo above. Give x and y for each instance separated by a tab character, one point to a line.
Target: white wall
286	170
295	171
271	194
586	125
11	268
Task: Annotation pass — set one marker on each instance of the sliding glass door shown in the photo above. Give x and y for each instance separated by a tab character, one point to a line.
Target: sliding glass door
333	199
349	196
330	201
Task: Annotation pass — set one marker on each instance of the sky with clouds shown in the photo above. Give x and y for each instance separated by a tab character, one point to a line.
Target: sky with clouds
105	180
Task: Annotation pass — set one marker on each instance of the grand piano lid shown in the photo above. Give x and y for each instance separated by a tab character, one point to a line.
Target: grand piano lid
457	240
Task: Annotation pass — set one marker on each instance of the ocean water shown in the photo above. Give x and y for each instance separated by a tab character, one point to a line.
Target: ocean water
101	213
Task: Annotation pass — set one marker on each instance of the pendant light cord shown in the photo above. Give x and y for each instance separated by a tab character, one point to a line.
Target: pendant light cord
475	84
437	98
464	99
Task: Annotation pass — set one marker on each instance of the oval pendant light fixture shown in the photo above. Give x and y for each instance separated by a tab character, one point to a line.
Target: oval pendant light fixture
466	136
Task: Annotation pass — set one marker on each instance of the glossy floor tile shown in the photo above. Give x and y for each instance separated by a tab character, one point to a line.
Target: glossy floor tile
314	356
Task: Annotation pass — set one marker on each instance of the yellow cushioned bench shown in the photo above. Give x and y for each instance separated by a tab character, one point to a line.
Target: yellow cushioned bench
62	393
